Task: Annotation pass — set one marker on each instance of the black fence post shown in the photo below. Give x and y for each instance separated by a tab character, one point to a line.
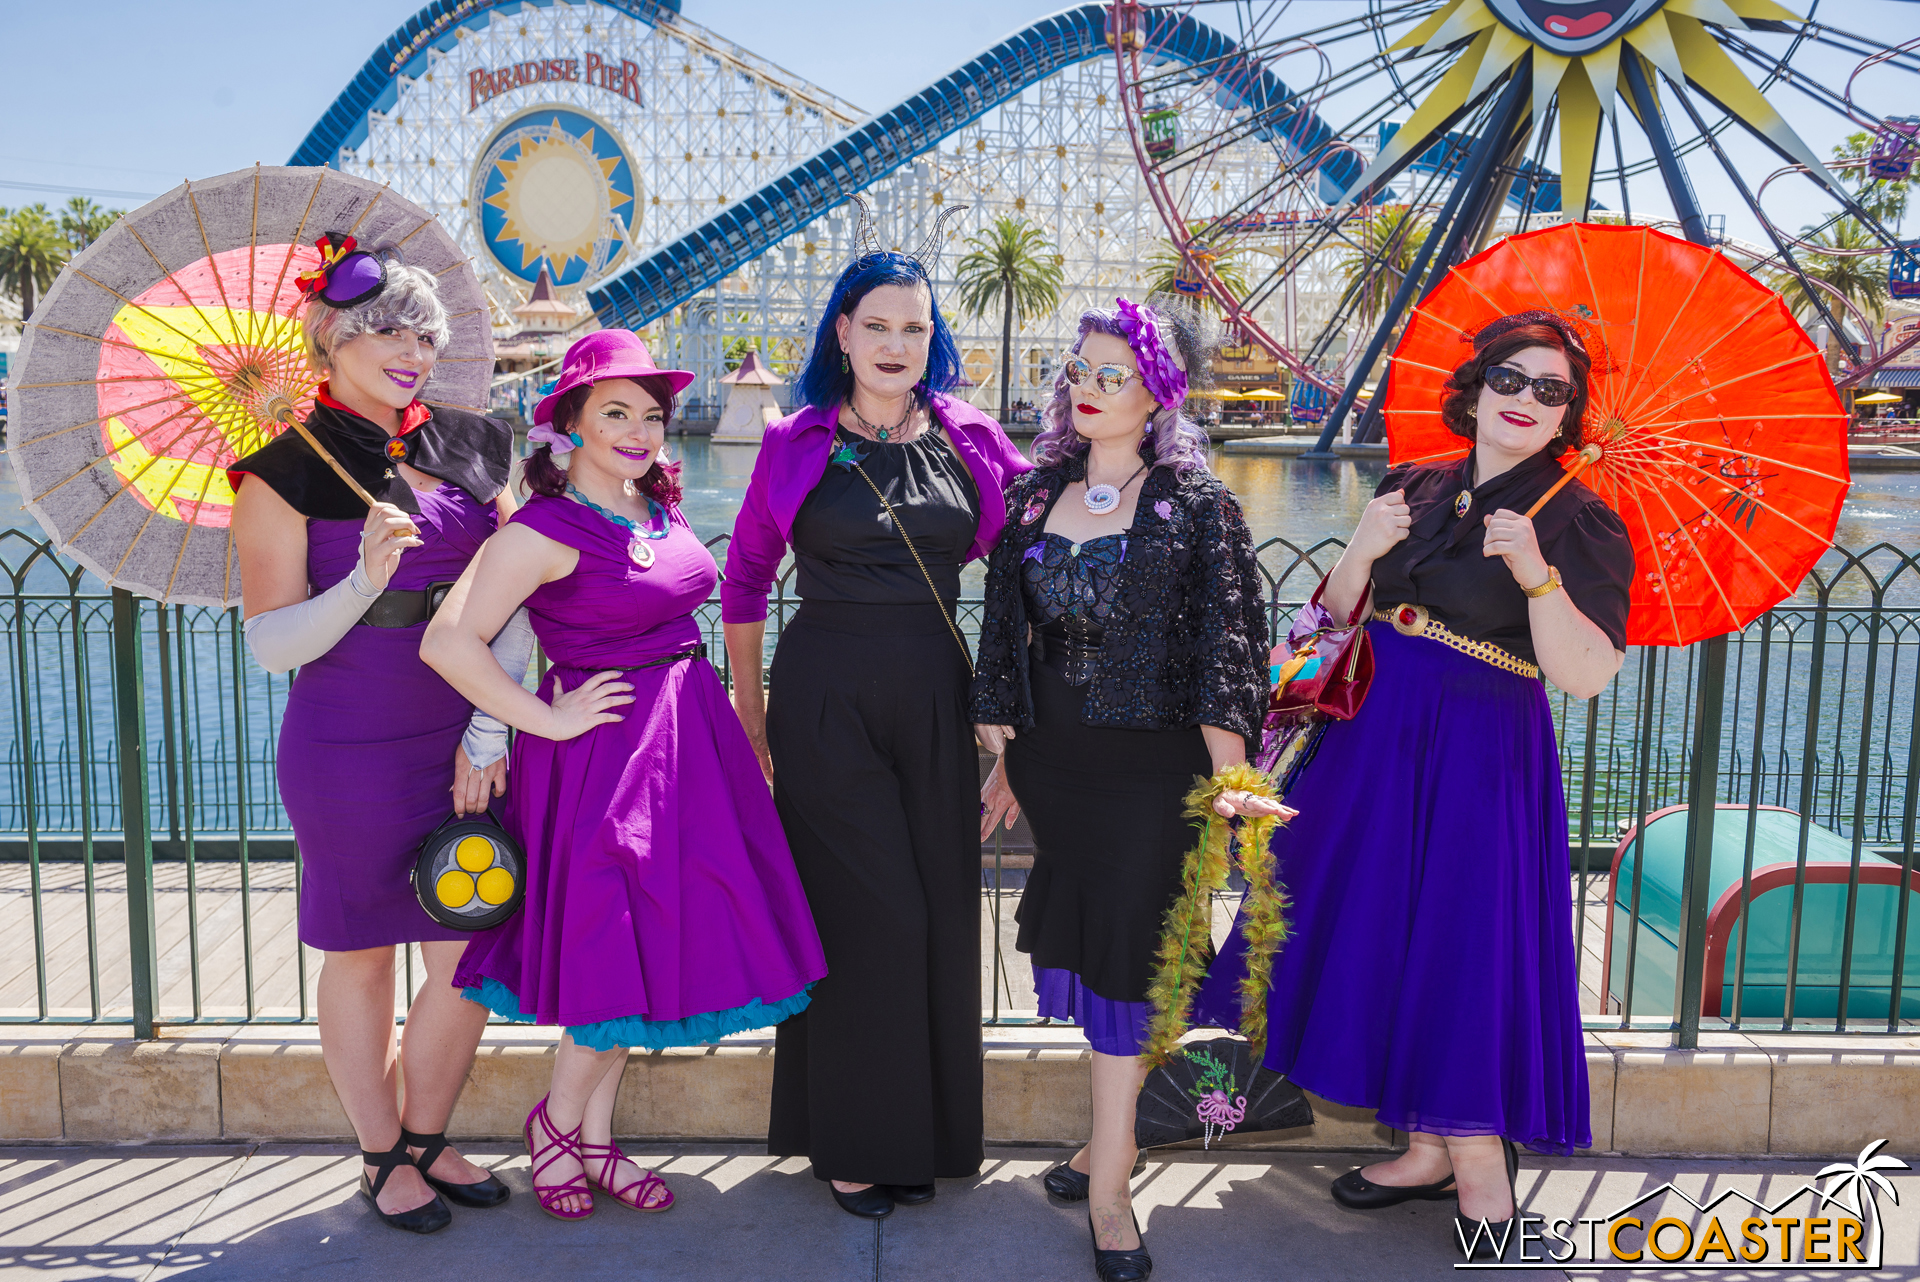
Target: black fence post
1703	792
130	740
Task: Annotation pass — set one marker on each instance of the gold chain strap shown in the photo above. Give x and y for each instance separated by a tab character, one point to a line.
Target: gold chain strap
958	640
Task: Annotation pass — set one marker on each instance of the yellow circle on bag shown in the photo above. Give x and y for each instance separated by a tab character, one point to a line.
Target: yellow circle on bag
454	888
474	853
495	886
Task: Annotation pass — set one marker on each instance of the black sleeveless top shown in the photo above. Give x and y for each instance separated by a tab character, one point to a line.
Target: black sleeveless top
845	546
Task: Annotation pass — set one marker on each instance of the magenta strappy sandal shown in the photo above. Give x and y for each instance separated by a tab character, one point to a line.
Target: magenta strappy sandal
556	1144
609	1156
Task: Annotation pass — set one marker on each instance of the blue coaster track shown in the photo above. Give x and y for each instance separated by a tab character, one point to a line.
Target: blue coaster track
747	229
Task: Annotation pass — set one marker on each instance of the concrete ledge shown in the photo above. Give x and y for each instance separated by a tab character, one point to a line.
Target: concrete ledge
1737	1095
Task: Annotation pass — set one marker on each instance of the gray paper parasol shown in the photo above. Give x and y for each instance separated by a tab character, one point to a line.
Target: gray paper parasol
164	350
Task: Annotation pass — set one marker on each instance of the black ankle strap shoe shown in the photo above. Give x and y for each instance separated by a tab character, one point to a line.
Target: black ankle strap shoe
482	1193
430	1218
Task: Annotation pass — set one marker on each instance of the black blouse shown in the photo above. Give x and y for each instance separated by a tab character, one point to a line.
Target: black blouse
1441	565
846	548
1185	641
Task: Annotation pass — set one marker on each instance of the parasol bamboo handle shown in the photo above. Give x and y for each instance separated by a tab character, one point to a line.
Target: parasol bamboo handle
281	411
1589	455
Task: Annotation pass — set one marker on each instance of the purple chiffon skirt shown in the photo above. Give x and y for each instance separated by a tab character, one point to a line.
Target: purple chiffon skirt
1429	970
1112	1027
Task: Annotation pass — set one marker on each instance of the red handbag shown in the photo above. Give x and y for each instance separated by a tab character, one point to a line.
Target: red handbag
1321	673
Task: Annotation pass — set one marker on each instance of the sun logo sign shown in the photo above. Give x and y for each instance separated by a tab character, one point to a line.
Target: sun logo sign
1574	52
556	189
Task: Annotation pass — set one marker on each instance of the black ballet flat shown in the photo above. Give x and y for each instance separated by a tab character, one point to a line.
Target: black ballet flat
1358	1193
870	1203
1069	1185
430	1218
1121	1266
481	1193
909	1194
1486	1243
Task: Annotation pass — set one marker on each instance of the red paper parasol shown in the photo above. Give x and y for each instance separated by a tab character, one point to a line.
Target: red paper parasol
1721	440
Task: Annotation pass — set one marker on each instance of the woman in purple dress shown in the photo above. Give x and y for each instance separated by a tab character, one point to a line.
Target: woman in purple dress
1429	971
662	906
342	593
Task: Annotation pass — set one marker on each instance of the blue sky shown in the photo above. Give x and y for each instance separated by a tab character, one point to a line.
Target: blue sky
229	82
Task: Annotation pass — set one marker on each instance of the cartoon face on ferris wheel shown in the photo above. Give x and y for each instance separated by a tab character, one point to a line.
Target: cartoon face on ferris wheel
1572	27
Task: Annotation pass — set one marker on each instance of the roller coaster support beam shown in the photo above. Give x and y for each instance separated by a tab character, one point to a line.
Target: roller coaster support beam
1492	144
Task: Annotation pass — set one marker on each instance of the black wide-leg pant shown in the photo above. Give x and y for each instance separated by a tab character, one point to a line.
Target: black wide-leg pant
876	778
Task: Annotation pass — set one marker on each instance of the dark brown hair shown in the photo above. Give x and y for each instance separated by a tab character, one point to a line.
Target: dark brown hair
1498	342
544	476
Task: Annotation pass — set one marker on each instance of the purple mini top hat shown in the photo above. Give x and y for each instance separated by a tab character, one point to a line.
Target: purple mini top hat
601	355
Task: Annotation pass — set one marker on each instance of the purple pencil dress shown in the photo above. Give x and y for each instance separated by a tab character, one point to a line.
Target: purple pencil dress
662	907
367	742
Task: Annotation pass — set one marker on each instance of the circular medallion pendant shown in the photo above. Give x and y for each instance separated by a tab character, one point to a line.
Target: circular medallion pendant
1461	504
1102	499
642	553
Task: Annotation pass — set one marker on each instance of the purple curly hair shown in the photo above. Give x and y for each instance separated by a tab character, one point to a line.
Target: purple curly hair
1178	442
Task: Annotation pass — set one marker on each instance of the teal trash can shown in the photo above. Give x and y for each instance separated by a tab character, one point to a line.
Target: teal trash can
1763	989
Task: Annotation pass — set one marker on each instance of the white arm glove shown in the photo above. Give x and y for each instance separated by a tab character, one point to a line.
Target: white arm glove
486	738
294	634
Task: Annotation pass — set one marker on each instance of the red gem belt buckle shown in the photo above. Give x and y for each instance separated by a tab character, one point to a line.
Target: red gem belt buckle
1410	620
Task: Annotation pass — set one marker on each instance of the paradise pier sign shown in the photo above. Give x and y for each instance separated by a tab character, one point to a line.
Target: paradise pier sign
619	75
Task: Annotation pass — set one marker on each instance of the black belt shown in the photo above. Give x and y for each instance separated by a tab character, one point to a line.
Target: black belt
1072	657
396	608
698	652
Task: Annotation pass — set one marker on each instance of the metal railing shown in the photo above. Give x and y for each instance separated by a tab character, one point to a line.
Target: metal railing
1812	707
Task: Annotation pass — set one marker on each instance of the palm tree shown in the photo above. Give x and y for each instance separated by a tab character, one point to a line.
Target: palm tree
1385	245
1167	267
1010	264
32	253
1860	278
82	222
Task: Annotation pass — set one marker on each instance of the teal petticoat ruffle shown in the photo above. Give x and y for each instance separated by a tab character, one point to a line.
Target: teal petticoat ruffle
636	1032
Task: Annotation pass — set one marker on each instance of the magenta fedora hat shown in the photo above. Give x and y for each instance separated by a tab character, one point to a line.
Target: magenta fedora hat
601	355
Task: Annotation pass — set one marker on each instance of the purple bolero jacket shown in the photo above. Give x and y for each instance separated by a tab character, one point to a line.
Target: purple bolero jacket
793	458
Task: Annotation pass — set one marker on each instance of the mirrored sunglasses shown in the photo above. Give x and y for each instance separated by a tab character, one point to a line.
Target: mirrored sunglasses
1108	378
1551	392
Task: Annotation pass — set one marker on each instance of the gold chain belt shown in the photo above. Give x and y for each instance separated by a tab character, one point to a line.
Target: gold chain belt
1414	621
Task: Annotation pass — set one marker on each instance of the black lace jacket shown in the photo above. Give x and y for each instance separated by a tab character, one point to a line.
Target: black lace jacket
1187	642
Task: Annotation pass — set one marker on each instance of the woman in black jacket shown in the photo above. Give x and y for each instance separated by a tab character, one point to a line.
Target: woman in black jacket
1123	653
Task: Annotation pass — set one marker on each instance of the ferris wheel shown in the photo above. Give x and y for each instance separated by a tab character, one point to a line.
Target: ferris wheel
1406	134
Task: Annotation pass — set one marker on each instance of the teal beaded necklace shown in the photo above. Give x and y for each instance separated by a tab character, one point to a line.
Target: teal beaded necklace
657	527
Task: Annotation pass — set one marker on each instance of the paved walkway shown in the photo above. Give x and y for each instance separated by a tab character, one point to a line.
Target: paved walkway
283	1211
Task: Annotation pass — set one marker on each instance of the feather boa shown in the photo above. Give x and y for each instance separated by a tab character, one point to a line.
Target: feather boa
1188	934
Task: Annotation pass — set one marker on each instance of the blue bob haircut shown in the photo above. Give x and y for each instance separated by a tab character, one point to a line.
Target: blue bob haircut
823	384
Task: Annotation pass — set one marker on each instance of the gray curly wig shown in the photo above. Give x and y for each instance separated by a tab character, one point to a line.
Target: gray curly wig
411	300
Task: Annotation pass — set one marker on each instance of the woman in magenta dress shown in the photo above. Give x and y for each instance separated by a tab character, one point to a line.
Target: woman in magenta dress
341	593
662	905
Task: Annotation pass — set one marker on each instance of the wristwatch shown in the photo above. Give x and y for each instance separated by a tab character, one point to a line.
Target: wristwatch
1552	584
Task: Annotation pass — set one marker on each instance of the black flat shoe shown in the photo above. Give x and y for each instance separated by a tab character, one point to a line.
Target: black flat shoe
909	1194
1477	1243
481	1193
1358	1193
870	1203
430	1218
1121	1266
1069	1185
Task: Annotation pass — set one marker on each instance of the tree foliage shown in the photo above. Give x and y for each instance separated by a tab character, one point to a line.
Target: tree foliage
1011	265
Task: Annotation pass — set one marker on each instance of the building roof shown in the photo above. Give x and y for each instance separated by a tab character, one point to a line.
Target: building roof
751	371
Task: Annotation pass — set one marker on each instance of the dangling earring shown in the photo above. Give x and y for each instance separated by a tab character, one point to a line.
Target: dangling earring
844	367
1473	411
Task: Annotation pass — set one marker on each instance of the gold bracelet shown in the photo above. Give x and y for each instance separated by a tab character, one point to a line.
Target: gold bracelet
1551	585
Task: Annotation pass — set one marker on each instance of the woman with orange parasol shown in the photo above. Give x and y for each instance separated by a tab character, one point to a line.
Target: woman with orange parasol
339	558
1430	972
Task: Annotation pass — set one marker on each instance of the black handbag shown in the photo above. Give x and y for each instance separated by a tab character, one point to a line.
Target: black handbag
470	875
1207	1089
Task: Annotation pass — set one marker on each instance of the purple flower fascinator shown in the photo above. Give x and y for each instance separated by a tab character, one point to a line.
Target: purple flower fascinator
1158	368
